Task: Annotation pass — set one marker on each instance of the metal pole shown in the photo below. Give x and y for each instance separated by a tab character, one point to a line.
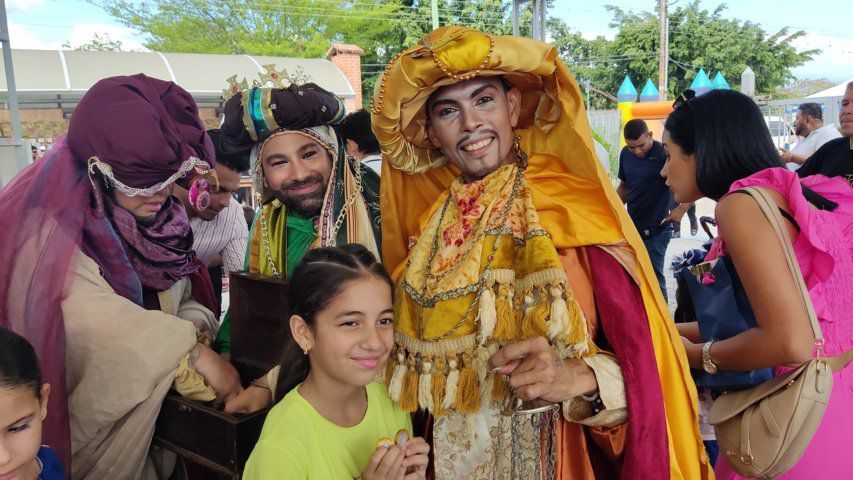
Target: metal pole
662	51
515	29
534	22
434	14
665	88
543	14
21	155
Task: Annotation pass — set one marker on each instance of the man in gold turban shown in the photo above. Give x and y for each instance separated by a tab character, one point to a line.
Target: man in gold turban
514	256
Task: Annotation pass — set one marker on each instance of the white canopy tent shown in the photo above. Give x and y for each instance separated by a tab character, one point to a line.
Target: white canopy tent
836	91
59	78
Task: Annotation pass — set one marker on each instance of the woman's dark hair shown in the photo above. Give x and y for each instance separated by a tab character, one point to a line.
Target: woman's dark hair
320	277
19	365
727	132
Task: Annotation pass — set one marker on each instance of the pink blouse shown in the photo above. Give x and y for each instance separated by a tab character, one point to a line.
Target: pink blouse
824	249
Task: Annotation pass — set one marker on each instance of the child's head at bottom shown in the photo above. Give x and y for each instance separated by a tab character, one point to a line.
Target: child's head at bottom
342	320
23	406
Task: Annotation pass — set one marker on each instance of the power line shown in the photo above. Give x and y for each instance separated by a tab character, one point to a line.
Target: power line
416	11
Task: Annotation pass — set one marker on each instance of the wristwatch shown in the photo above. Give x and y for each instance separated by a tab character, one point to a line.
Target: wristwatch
707	364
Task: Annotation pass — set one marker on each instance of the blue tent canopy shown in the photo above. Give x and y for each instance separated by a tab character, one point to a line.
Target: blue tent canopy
627	92
720	82
650	93
701	84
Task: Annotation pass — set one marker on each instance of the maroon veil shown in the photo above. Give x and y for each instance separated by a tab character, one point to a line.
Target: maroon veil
145	130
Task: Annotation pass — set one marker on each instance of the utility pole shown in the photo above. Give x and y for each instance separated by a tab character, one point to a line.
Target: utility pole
663	52
434	14
515	30
21	152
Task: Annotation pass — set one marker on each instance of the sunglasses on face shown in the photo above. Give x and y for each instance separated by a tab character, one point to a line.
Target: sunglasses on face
684	98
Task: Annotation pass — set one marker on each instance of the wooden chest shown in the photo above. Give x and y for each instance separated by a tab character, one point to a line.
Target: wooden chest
205	435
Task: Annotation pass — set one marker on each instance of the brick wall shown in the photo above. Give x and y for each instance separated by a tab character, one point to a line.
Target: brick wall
348	60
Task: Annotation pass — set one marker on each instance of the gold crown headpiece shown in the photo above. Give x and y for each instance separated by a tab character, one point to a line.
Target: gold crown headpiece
270	78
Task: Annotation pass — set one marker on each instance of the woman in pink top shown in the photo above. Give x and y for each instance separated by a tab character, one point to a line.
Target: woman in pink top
718	143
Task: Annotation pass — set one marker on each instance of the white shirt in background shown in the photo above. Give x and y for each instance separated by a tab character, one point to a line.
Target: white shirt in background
807	146
226	235
374	162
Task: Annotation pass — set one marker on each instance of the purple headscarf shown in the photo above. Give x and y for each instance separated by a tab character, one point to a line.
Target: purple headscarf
144	130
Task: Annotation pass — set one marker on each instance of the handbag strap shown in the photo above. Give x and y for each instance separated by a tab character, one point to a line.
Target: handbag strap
771	211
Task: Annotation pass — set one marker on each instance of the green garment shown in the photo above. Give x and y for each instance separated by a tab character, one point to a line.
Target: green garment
297	233
300	234
297	440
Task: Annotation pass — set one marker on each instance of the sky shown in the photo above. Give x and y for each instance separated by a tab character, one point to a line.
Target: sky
48	24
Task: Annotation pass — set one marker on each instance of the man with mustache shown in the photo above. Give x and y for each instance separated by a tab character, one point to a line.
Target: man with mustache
809	126
311	195
518	269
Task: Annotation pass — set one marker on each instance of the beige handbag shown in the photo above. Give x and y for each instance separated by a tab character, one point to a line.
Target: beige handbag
763	431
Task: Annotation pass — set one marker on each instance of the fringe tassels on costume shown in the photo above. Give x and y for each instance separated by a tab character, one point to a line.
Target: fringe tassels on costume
468	391
559	323
395	384
484	376
578	334
425	385
506	318
438	384
449	400
536	316
499	387
409	397
487	313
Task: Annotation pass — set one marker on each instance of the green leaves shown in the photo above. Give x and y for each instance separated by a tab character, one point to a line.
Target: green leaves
697	39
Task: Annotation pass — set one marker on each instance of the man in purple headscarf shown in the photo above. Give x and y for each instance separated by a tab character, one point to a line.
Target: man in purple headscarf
97	271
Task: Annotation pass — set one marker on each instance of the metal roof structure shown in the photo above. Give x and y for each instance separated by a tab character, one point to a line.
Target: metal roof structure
59	78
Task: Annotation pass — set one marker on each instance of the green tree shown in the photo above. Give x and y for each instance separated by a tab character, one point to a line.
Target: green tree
98	43
303	28
698	39
415	21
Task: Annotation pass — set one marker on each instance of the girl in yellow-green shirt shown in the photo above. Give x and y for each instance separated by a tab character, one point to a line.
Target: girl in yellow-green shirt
333	421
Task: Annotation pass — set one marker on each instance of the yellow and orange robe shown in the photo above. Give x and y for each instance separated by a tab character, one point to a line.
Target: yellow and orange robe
640	365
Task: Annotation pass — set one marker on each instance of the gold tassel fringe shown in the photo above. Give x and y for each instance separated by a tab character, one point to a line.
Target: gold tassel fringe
506	320
535	319
438	383
468	392
409	397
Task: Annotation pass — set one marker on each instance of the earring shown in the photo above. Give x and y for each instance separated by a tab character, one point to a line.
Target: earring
305	351
199	194
520	155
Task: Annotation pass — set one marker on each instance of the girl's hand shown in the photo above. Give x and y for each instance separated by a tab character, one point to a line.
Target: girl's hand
386	464
250	400
416	458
